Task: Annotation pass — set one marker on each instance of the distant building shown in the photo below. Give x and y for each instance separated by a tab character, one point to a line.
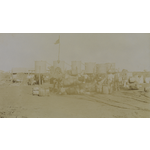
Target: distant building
19	70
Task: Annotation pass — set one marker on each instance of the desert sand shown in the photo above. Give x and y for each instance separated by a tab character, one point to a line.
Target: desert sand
17	101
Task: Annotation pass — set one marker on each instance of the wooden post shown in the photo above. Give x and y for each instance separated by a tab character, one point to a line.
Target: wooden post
39	75
12	76
59	50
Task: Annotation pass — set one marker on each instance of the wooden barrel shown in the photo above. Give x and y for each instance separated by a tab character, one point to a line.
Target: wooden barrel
44	92
40	67
108	66
35	92
90	67
147	80
113	66
101	69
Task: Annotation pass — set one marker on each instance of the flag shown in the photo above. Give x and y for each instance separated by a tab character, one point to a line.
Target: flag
57	42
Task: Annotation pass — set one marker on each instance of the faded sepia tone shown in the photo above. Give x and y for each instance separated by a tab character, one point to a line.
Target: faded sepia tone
75	75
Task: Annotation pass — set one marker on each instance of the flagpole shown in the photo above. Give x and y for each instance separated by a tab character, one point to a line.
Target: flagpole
59	50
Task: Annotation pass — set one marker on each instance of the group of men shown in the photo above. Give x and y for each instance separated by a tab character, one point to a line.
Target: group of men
57	78
110	79
35	79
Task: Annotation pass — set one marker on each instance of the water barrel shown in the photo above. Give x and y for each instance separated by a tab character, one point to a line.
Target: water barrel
147	80
108	66
90	67
76	67
35	91
60	65
141	80
113	67
44	92
40	66
101	68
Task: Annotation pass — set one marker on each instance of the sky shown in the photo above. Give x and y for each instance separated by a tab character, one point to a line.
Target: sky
129	51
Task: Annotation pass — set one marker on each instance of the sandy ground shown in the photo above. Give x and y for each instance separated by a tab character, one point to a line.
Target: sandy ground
18	102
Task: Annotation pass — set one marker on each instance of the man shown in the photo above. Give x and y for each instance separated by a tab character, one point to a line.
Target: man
92	77
37	79
125	81
85	78
59	79
42	79
116	82
110	79
97	78
79	76
29	80
54	83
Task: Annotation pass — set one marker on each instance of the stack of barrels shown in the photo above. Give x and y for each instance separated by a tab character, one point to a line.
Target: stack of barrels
40	91
90	67
101	69
105	68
